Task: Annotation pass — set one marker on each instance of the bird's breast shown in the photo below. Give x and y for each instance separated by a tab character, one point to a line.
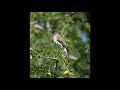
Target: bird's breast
55	38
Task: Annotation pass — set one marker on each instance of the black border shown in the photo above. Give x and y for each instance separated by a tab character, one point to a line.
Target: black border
22	18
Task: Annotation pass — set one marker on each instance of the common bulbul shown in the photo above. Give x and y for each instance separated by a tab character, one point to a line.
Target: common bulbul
58	39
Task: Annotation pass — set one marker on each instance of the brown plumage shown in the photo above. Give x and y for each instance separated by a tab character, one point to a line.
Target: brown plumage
58	39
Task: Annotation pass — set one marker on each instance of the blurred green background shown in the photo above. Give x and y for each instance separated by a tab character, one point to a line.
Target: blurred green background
47	60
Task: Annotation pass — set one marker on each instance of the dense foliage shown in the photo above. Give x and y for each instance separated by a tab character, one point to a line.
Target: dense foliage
47	59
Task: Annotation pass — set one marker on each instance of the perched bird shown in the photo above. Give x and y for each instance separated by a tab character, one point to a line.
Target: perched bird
58	39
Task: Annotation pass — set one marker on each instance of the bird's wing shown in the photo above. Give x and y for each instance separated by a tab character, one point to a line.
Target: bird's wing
61	40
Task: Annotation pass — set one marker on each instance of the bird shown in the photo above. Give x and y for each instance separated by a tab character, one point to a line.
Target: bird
58	39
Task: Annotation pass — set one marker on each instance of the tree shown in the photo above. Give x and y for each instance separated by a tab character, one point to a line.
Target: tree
46	58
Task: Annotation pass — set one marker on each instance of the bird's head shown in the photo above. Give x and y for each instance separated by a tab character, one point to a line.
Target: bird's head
53	31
